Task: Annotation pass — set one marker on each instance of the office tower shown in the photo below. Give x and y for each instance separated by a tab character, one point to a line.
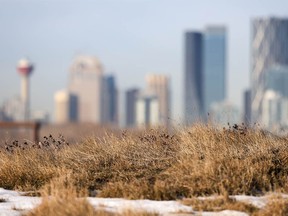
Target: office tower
86	83
66	107
25	69
276	79
214	67
269	47
147	110
247	107
130	107
193	83
110	100
159	85
205	72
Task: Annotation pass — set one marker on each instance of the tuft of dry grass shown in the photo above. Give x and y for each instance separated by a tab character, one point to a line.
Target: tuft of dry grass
219	204
155	164
277	206
60	198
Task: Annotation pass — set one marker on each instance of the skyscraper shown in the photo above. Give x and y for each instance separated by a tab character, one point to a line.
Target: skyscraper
269	47
86	83
205	72
193	79
158	84
130	106
110	100
214	87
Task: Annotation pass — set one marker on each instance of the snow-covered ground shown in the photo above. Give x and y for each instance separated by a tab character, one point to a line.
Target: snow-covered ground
15	204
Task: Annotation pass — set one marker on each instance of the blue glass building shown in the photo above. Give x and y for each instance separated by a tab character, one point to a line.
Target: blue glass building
110	100
205	72
193	83
214	66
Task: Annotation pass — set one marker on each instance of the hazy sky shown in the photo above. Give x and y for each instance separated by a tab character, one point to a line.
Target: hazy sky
130	37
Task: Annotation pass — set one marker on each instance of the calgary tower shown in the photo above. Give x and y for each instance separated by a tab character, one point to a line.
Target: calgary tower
25	68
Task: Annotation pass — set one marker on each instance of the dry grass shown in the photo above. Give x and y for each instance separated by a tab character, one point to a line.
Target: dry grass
277	206
219	204
60	198
154	164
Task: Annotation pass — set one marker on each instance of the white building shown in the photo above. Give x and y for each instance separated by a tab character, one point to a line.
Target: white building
66	107
275	110
159	85
147	110
13	109
86	82
222	113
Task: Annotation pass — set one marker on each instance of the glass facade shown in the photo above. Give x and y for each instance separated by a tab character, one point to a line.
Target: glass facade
276	79
214	66
193	88
110	100
269	47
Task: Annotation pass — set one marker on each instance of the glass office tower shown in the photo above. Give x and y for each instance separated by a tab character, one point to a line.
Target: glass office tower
269	47
193	83
214	66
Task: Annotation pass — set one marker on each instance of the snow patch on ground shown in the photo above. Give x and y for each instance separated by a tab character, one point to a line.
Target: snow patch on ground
16	203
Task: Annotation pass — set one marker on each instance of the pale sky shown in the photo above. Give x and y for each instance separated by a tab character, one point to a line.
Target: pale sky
130	37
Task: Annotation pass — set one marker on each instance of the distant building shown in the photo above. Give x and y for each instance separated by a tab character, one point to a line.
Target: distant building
40	116
86	83
13	109
66	107
3	116
205	72
110	100
214	66
247	107
159	85
269	47
147	110
275	110
223	113
25	69
130	107
276	79
193	79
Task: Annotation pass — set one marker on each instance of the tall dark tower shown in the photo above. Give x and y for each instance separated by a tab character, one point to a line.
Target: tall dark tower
193	88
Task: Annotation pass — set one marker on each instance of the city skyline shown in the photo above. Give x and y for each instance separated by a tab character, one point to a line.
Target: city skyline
51	34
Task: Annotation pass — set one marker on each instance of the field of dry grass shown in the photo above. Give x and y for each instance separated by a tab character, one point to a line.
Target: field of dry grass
153	164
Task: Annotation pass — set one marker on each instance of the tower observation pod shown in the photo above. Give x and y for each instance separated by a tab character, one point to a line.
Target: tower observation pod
25	69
